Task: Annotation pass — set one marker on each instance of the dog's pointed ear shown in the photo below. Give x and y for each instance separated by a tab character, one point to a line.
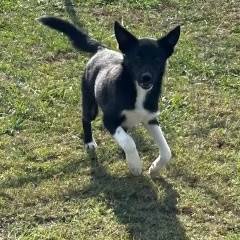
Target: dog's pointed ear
171	39
125	39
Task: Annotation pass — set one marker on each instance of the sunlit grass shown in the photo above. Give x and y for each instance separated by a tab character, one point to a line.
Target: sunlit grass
51	189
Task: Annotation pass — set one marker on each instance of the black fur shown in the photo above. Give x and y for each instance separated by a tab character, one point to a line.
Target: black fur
110	78
153	121
77	36
125	39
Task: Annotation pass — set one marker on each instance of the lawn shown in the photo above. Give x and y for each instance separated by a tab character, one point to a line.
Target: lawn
50	188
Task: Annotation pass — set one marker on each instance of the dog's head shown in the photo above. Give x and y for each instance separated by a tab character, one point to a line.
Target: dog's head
145	58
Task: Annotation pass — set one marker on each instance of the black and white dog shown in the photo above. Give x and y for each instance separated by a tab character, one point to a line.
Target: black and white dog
126	86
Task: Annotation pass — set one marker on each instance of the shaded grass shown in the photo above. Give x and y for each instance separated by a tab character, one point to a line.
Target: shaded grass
50	188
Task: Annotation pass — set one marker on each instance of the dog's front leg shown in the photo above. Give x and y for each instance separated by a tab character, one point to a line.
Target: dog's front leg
165	152
129	147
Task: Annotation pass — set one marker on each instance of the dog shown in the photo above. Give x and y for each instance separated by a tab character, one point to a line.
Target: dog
125	85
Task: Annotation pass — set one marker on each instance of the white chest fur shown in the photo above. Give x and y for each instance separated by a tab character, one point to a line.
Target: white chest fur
139	113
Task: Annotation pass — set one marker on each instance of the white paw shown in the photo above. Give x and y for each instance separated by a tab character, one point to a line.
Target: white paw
91	145
136	170
134	164
157	165
154	171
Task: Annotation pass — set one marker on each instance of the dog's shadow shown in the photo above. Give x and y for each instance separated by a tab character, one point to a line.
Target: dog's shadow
135	203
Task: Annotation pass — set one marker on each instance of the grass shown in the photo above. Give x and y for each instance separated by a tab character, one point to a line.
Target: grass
51	189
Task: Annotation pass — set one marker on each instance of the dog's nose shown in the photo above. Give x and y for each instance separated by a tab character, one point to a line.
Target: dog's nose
146	80
146	77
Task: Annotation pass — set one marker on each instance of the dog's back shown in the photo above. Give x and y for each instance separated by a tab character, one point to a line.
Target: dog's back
102	72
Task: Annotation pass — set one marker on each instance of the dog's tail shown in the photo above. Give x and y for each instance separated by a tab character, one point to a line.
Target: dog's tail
76	35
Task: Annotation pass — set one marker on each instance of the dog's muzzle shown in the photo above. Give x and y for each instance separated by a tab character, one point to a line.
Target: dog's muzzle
146	81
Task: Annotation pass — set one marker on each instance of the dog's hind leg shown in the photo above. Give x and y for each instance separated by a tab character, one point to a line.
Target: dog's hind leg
89	113
127	144
165	152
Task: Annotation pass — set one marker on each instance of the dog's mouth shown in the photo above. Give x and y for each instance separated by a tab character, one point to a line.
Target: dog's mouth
146	86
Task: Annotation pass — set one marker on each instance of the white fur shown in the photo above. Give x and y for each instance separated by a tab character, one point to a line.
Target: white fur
129	147
91	145
138	114
165	152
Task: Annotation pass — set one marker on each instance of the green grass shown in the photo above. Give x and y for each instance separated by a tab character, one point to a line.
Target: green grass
51	189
